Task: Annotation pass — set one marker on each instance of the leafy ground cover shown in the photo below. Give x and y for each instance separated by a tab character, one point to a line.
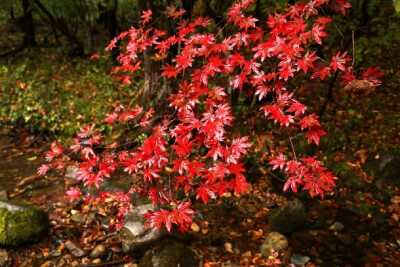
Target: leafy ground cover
55	95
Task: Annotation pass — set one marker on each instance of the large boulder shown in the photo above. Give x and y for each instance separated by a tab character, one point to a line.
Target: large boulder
21	223
288	218
169	253
137	237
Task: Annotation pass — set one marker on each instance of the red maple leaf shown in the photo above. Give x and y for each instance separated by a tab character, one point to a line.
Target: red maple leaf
73	193
339	61
278	162
146	17
170	71
314	133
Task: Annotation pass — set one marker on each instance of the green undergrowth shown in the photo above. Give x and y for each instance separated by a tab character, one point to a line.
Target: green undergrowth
43	92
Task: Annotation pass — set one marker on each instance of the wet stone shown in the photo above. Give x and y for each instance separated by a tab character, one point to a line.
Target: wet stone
276	241
169	253
299	259
288	218
71	171
135	236
54	254
96	261
21	223
337	227
74	249
99	251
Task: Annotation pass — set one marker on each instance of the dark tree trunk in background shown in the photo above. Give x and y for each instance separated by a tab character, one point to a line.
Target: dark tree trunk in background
84	14
76	48
208	11
356	34
27	25
12	17
151	67
108	18
188	6
257	11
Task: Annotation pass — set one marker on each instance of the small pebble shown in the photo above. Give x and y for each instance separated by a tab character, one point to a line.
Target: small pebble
195	227
99	252
228	247
337	227
74	249
96	261
299	259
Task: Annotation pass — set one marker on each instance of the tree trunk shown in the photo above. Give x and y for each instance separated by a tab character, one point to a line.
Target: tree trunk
188	6
76	46
151	68
112	26
84	15
28	25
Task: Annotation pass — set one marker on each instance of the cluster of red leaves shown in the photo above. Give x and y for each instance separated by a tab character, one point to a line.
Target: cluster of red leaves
307	172
207	65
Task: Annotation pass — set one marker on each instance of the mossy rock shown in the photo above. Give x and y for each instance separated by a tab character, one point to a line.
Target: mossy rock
288	218
169	253
386	168
21	223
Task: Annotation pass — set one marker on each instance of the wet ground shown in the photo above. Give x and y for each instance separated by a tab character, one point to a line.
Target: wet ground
18	174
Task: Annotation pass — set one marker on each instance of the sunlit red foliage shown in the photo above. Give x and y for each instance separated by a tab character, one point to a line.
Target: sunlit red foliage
249	59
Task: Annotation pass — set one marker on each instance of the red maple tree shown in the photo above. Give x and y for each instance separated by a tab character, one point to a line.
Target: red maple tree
250	58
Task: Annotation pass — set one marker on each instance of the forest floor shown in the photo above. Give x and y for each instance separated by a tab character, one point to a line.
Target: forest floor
232	229
230	232
362	131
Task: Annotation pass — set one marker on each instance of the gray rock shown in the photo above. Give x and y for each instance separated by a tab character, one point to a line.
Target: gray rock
276	241
337	227
99	252
55	254
167	254
386	168
77	218
71	171
135	236
21	223
382	196
288	218
299	259
5	260
74	249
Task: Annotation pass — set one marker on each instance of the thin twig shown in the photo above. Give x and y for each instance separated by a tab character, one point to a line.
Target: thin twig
329	96
291	144
276	177
354	51
336	26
